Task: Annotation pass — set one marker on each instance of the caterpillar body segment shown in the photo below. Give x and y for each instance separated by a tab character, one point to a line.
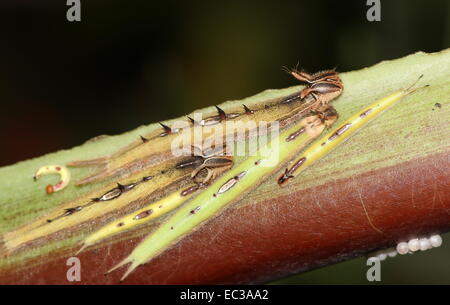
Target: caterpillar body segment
143	215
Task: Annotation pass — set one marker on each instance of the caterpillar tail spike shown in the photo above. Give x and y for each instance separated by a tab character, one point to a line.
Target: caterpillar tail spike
62	171
122	263
83	247
413	87
129	270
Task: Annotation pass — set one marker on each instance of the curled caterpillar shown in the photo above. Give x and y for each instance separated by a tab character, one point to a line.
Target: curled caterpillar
62	171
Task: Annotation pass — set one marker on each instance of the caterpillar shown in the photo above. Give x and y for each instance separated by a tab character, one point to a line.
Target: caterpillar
54	169
146	166
243	178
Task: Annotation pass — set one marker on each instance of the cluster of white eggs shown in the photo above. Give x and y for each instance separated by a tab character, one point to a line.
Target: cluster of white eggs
411	246
421	244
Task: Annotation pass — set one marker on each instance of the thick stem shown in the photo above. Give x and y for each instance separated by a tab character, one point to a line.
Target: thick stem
388	183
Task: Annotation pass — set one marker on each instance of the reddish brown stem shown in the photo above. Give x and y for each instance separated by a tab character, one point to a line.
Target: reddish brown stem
270	239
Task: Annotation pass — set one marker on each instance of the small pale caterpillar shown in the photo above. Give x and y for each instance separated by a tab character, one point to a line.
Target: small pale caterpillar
54	169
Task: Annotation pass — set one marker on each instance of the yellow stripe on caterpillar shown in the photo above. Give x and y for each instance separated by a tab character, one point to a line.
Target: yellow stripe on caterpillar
143	215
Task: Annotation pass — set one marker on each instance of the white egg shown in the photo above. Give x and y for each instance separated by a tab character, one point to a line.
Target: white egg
414	245
402	248
424	244
392	252
382	256
436	240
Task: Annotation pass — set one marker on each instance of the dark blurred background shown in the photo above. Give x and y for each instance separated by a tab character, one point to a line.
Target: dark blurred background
129	63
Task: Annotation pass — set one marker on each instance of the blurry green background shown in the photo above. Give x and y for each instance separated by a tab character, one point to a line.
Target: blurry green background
129	63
